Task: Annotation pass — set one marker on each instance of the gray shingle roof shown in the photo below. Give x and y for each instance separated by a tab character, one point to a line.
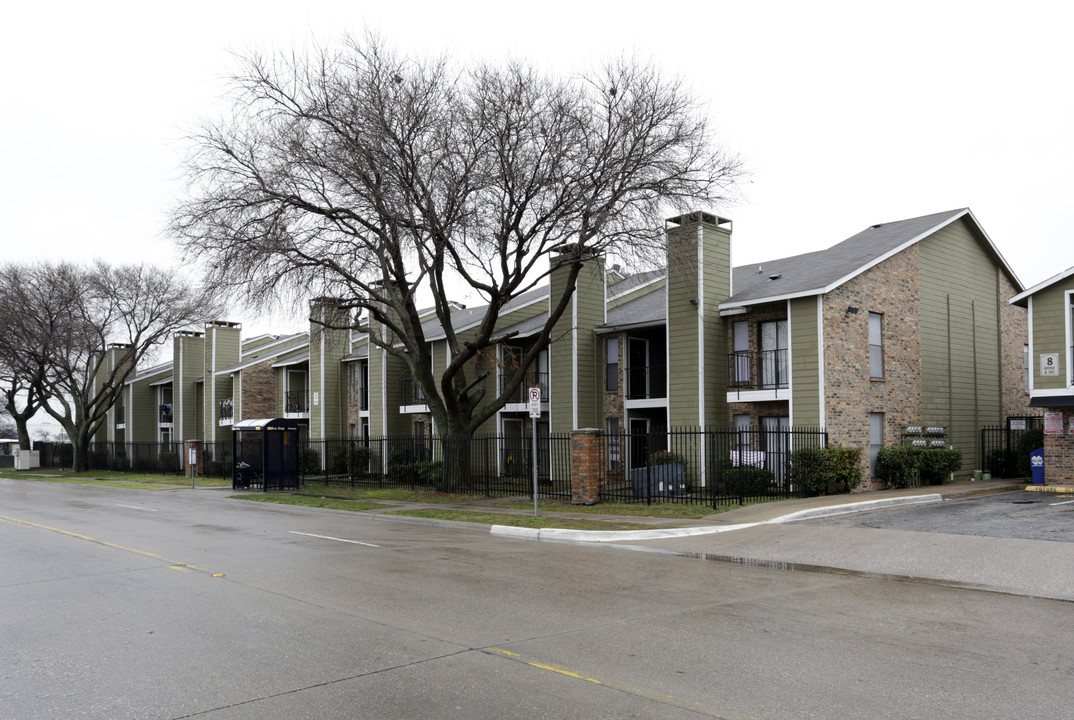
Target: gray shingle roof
649	308
817	272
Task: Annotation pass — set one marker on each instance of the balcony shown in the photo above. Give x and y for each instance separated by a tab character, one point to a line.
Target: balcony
363	398
521	394
296	402
411	396
227	412
166	414
646	382
120	417
757	375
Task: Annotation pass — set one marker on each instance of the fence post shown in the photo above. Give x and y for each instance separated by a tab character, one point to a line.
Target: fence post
585	466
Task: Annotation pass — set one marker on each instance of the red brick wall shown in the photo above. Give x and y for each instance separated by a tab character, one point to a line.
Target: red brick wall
890	288
259	391
586	459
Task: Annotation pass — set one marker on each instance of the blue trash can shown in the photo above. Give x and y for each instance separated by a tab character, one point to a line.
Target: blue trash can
1036	464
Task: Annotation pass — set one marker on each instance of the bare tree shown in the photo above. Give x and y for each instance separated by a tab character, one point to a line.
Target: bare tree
86	329
360	174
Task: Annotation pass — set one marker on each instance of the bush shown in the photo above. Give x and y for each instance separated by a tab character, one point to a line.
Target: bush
821	470
744	480
1003	463
430	471
309	461
169	462
1029	441
401	467
666	457
897	466
936	465
341	462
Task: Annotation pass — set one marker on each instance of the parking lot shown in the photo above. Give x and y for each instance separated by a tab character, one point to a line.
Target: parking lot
1025	515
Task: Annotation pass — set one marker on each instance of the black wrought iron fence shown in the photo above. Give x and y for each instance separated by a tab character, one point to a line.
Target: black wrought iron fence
999	445
150	458
711	466
485	465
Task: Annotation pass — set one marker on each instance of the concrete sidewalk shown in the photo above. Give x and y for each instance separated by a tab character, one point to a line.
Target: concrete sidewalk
766	534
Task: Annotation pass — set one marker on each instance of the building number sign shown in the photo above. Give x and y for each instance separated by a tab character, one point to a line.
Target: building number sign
1049	364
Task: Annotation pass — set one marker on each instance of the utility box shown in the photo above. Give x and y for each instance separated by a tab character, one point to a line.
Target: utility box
1036	465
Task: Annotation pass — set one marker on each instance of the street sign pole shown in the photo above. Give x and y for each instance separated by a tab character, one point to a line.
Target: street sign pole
535	412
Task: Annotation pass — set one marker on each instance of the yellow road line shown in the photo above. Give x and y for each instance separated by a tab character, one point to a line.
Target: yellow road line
80	536
640	692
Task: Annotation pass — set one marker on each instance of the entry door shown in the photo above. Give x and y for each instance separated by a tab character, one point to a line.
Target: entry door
775	434
742	353
639	442
513	460
638	369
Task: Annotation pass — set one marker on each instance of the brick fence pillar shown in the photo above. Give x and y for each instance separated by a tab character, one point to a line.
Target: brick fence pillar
586	468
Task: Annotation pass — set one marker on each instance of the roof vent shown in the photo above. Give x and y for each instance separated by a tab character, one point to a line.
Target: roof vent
874	227
777	276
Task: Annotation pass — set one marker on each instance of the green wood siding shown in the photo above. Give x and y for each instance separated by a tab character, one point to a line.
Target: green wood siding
696	336
1050	311
573	341
188	364
960	372
805	362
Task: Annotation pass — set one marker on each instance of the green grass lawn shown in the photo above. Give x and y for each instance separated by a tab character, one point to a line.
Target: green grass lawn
111	478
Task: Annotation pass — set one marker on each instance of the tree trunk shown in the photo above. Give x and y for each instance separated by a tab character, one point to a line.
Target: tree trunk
24	434
79	451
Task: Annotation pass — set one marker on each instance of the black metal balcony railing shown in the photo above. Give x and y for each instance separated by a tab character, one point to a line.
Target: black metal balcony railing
227	409
533	379
296	401
765	370
166	413
410	393
646	381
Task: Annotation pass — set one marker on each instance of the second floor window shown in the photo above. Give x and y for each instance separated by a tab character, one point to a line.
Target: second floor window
611	375
876	345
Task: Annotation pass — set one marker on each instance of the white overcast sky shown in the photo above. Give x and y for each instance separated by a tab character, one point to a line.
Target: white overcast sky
846	114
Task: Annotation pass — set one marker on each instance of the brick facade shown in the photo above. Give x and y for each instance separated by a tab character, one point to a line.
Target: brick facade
891	289
1059	452
259	391
1013	334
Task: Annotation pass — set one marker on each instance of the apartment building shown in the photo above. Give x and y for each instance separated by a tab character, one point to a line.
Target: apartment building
905	323
1049	368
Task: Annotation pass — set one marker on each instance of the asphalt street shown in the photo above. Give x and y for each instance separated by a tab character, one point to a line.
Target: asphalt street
184	604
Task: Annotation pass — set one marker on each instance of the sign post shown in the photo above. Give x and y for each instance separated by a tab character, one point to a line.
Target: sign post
535	412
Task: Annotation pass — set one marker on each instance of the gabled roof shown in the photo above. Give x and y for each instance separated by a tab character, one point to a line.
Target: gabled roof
820	272
1021	299
649	309
469	317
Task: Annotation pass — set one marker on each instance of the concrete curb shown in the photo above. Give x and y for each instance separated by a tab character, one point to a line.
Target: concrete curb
664	533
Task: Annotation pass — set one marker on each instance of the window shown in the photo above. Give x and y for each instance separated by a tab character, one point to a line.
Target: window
741	349
876	345
613	438
611	374
876	439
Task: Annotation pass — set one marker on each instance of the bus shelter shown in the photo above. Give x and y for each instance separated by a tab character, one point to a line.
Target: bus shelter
265	454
